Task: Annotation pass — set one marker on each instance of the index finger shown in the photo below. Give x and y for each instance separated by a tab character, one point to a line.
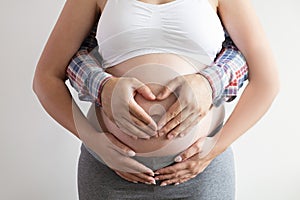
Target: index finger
172	112
172	169
138	177
192	150
141	114
130	165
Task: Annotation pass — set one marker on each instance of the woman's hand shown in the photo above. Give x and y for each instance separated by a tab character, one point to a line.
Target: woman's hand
194	101
190	163
136	177
117	156
120	107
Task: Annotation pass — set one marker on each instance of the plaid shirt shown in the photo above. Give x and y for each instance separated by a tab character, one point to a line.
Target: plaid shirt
226	75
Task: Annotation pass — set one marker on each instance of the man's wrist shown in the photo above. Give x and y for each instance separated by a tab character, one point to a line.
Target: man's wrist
215	76
99	101
207	85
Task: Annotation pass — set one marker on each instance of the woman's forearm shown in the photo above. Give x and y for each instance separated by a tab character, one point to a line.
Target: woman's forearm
263	85
257	97
57	101
72	26
255	100
251	107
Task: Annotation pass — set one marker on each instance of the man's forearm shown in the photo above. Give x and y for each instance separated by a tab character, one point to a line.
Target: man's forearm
87	77
227	74
84	70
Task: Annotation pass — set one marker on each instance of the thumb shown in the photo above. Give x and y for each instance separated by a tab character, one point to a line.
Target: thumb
143	90
191	151
169	88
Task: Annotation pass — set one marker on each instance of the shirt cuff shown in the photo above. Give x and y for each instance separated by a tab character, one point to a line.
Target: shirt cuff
98	79
215	76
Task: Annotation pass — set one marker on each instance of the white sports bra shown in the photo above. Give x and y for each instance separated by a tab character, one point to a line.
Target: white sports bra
130	28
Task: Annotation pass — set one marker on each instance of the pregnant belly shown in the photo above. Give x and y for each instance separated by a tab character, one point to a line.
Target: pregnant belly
155	71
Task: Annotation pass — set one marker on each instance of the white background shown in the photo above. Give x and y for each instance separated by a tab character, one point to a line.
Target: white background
39	158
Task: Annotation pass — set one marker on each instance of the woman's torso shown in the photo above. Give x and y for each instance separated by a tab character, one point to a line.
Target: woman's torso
155	70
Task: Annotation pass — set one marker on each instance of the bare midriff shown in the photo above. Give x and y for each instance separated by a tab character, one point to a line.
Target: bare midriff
155	70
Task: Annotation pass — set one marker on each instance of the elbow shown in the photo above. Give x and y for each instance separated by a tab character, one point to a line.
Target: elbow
37	83
34	84
270	84
273	91
267	88
273	88
276	86
276	91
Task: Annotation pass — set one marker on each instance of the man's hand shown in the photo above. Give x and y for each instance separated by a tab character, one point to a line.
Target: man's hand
190	163
194	101
117	156
120	107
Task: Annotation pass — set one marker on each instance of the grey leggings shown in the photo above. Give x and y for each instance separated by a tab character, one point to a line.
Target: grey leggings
96	182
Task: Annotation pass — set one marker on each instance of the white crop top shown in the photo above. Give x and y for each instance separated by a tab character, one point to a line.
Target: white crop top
130	28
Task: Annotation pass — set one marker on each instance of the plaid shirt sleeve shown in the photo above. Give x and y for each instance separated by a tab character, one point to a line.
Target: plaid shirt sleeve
84	71
227	74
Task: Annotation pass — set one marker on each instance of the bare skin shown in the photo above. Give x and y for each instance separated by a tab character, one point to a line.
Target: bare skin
169	67
242	24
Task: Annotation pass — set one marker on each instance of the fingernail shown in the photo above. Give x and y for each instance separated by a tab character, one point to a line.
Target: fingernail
181	134
151	173
135	182
131	153
178	159
159	126
156	173
161	133
153	127
153	132
148	183
170	136
163	184
176	184
159	95
151	179
146	137
156	178
153	182
134	137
